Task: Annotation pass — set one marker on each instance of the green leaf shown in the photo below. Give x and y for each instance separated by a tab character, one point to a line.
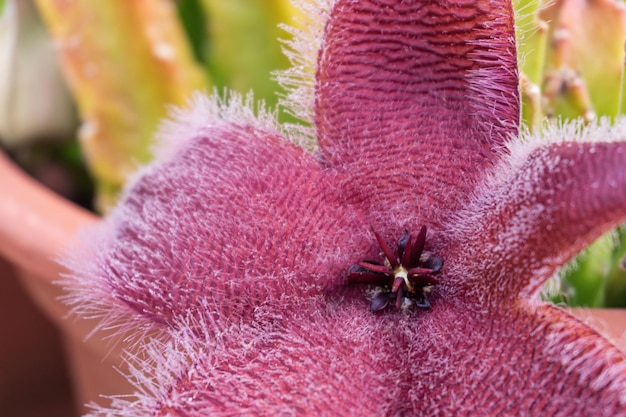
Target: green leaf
532	38
194	22
244	48
615	293
126	61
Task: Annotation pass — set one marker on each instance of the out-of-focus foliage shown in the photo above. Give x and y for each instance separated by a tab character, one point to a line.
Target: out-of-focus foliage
195	23
34	103
572	65
572	54
243	50
125	61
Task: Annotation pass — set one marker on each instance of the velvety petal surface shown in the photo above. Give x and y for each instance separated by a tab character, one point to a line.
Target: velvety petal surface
237	217
336	359
414	99
540	208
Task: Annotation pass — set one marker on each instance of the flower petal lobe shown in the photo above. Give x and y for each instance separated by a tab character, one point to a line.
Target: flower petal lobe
534	218
410	94
237	216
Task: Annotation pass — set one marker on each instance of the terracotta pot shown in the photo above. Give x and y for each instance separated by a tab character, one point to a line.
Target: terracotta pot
35	224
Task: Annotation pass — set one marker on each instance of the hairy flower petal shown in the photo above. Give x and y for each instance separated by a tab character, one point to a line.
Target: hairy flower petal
237	216
411	94
530	360
339	360
535	218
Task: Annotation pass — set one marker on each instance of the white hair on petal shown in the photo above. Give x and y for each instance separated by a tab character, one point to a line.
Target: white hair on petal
90	297
488	85
513	158
203	111
553	289
559	131
554	132
299	80
528	13
573	358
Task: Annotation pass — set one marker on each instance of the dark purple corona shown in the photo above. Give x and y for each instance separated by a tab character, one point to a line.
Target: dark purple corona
409	275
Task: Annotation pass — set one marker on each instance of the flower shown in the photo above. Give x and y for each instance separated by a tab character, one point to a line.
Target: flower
235	248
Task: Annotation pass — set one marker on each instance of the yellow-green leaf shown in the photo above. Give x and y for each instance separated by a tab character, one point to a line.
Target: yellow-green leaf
125	61
244	46
532	36
588	40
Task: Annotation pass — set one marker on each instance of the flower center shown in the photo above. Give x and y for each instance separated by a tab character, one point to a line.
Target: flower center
405	277
401	272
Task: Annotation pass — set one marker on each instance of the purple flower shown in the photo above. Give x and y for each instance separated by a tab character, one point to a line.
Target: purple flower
281	281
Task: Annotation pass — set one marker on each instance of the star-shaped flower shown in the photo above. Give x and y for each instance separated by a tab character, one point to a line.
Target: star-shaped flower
270	274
